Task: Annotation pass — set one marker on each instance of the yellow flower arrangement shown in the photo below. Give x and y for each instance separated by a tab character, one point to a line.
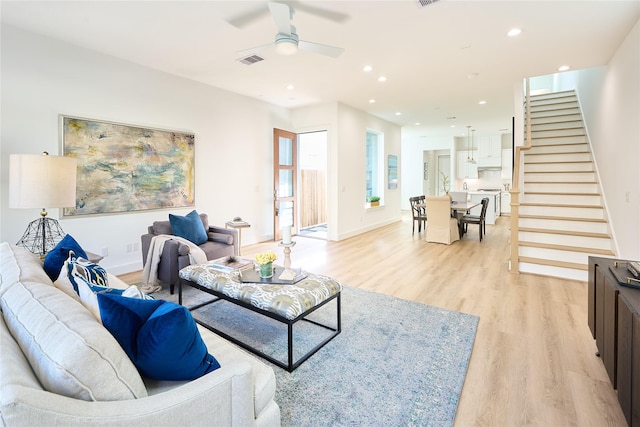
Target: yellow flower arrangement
265	257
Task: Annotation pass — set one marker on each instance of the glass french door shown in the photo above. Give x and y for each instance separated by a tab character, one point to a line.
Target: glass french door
285	172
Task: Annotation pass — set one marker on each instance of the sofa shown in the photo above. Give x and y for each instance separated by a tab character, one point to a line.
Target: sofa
175	255
60	366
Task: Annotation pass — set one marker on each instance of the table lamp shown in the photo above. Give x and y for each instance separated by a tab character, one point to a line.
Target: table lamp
41	180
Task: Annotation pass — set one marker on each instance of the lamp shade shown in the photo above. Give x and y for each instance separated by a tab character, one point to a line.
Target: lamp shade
41	181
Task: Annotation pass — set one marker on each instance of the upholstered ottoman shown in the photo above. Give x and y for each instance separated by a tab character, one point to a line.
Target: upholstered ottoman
286	303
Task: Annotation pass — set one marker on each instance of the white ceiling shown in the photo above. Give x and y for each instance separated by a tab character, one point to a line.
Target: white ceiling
426	53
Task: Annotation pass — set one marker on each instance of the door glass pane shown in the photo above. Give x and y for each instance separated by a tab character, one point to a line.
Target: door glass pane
286	213
286	183
286	152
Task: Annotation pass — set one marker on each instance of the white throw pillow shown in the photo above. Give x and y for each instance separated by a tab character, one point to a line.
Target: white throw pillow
70	352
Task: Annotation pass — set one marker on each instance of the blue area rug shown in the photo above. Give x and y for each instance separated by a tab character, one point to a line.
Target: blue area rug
396	362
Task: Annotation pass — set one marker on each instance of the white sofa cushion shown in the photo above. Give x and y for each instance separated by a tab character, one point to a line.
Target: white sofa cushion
19	265
69	350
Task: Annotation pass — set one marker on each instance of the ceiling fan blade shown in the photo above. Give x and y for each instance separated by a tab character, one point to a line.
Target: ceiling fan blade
330	15
244	52
282	15
322	49
244	19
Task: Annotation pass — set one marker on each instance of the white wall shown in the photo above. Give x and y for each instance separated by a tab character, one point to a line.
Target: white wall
411	173
42	78
614	129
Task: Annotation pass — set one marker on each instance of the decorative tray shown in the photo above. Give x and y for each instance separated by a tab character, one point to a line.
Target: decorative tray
249	275
623	275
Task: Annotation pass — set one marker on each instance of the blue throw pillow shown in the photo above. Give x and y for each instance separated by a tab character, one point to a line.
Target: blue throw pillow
160	337
54	260
189	227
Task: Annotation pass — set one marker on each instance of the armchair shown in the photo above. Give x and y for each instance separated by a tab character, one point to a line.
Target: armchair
175	255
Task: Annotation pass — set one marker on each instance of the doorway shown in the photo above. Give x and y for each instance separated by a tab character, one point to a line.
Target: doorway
312	165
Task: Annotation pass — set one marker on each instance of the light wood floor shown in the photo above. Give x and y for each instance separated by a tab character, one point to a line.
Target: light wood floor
533	361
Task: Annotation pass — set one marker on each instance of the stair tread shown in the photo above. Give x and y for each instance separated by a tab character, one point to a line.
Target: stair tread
567	248
554	263
561	182
565	232
562	218
546	172
561	205
560	193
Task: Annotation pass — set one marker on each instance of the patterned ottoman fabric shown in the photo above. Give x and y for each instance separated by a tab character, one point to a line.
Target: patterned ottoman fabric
287	301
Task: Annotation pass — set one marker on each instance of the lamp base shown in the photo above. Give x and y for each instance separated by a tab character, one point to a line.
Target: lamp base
42	235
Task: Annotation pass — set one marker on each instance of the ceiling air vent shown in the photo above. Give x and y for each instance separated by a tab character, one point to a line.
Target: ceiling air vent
251	59
423	3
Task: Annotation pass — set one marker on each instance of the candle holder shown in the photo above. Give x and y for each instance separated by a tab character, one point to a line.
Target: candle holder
288	273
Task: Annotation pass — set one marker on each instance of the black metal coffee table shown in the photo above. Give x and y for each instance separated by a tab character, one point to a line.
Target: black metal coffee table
285	303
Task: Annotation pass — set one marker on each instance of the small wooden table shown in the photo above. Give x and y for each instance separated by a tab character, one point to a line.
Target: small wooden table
238	225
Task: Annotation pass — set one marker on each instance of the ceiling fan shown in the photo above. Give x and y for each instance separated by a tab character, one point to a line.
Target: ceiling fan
287	41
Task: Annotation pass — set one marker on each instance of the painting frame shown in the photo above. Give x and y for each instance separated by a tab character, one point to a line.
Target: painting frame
392	171
125	168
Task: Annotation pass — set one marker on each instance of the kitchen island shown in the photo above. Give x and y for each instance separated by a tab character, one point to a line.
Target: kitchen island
493	210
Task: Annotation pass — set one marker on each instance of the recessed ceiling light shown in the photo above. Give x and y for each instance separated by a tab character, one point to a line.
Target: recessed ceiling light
398	113
417	123
564	68
290	87
472	76
514	32
453	126
482	102
367	68
382	79
372	101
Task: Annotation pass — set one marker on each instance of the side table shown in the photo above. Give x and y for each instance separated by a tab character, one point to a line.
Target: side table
238	225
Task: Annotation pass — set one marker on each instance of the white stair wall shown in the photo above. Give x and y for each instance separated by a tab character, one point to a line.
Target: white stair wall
562	220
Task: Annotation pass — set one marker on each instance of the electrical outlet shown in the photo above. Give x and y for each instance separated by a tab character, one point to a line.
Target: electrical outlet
129	247
104	251
136	246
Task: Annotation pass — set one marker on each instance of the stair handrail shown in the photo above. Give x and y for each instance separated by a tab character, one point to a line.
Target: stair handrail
517	179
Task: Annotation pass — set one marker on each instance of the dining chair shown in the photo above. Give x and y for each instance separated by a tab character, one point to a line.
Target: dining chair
441	227
418	213
477	219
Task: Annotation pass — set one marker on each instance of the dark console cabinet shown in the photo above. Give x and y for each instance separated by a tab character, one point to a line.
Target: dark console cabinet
614	320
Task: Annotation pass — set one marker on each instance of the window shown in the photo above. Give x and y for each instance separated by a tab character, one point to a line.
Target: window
374	164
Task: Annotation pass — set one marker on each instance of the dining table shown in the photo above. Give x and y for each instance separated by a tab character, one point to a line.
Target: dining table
456	207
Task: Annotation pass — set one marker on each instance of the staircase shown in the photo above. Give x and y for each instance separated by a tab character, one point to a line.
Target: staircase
562	219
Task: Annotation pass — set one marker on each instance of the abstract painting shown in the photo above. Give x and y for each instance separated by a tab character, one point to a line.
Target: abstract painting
125	168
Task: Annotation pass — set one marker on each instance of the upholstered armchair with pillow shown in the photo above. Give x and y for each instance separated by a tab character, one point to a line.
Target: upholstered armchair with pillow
215	242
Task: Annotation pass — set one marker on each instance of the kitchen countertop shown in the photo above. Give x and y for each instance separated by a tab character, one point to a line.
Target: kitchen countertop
495	192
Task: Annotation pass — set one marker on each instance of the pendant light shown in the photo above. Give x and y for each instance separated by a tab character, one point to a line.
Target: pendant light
469	155
473	137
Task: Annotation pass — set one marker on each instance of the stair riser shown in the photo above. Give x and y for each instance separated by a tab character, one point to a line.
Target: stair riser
553	113
555	167
580	139
560	225
567	105
591	213
563	187
555	133
542	158
572	121
557	199
560	177
565	240
559	148
555	255
563	273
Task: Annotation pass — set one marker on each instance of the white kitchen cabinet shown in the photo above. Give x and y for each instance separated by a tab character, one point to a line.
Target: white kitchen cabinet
507	163
466	170
505	202
489	151
493	196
